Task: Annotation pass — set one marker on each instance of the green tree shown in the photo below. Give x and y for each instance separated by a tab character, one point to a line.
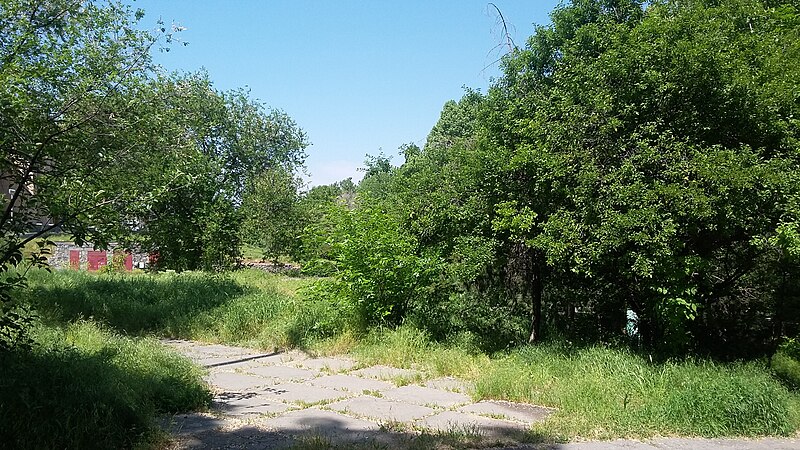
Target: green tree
377	173
378	271
319	209
76	129
230	142
92	142
653	153
446	196
457	123
635	156
273	218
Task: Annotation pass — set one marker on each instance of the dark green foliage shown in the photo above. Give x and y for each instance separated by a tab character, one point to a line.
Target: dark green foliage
444	195
320	211
376	165
477	319
457	123
287	223
787	369
324	312
239	157
15	324
634	156
273	219
656	168
192	228
377	175
220	236
320	267
635	159
16	318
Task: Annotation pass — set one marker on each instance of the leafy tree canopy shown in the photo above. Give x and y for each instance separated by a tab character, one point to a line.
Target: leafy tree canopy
634	156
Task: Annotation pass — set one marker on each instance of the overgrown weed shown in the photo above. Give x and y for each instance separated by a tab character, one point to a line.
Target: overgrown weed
249	307
604	393
83	386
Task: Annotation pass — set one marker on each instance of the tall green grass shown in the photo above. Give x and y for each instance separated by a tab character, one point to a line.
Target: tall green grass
786	363
132	303
605	393
83	386
97	377
248	308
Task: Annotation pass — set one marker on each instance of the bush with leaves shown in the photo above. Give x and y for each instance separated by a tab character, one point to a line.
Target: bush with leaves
635	156
378	272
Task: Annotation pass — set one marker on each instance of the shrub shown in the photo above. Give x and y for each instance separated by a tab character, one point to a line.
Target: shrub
319	267
379	270
15	323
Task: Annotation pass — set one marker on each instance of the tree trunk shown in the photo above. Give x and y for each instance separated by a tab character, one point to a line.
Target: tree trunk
524	273
536	288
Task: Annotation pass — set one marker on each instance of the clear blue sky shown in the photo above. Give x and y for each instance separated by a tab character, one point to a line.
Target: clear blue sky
357	76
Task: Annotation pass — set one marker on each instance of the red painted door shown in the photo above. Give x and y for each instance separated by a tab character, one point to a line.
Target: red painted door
75	259
128	262
97	259
152	258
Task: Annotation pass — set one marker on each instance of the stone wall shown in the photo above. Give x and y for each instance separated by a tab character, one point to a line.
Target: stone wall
60	257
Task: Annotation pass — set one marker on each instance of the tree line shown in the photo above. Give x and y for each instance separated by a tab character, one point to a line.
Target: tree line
631	177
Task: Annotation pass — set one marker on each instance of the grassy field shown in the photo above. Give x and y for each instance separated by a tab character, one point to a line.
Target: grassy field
252	308
599	392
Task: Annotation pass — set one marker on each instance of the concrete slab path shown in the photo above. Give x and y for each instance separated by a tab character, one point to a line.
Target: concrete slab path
286	400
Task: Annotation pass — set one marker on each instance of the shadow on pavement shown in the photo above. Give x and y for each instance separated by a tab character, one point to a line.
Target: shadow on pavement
316	428
324	430
241	360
